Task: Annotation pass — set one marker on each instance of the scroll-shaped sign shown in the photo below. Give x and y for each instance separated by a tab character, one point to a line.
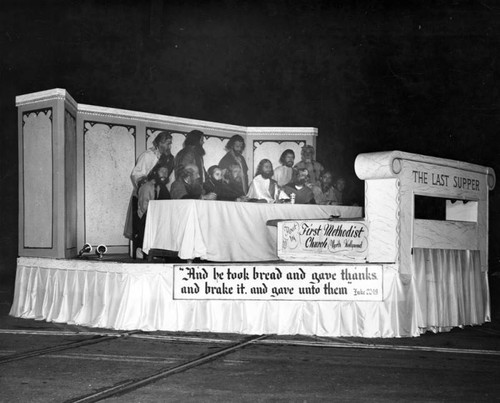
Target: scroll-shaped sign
322	241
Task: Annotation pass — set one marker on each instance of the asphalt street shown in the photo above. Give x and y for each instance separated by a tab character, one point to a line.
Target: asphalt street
50	362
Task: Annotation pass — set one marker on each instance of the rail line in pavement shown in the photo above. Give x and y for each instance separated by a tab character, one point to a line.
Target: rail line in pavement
133	384
61	347
130	385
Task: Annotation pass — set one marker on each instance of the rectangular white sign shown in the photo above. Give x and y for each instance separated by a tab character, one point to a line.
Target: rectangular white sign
248	282
322	241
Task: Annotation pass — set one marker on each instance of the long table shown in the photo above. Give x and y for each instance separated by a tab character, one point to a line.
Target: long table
221	231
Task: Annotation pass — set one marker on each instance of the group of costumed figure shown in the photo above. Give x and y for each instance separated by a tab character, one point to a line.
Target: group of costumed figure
306	182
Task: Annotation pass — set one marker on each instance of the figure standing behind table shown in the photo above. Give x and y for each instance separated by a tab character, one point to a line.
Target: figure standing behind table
303	194
234	156
263	188
324	192
314	168
154	188
192	153
187	184
216	184
284	173
145	163
149	158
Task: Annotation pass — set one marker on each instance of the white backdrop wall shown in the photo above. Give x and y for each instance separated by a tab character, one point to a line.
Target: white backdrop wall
75	162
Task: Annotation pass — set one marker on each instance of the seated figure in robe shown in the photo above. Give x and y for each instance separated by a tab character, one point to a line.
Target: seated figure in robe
188	185
298	187
263	188
215	184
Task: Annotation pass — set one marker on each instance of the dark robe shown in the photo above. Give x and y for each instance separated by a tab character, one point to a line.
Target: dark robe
160	192
189	156
181	190
302	196
229	160
223	190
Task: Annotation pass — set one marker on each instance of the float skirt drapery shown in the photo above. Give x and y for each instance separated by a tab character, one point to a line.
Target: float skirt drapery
139	296
450	288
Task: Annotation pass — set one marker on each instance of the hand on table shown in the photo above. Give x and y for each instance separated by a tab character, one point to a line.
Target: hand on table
209	196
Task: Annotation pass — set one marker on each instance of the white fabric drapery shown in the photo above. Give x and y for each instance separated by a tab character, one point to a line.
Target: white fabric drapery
447	289
139	296
450	288
225	231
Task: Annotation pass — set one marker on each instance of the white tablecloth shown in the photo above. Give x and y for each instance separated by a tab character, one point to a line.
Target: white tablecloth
225	231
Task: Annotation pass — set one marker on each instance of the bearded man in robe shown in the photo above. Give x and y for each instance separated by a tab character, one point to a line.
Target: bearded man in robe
264	189
234	156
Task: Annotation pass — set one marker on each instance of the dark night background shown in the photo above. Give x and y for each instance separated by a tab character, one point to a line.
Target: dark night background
421	77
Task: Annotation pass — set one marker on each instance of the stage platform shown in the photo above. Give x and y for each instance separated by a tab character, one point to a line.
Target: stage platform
117	292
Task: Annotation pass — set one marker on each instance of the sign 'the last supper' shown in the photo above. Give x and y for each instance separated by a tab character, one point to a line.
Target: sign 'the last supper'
322	241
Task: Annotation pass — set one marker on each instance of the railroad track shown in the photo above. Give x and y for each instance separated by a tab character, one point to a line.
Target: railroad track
223	347
132	384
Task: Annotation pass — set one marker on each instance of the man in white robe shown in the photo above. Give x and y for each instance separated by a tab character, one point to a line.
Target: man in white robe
139	175
263	188
149	158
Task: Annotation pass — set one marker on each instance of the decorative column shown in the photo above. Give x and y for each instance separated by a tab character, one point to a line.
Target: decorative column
47	174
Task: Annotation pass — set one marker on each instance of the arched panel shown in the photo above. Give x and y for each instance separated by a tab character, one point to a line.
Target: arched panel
272	150
37	175
178	138
109	154
215	148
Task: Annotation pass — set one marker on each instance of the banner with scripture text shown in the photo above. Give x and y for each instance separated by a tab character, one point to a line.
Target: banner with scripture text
279	282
